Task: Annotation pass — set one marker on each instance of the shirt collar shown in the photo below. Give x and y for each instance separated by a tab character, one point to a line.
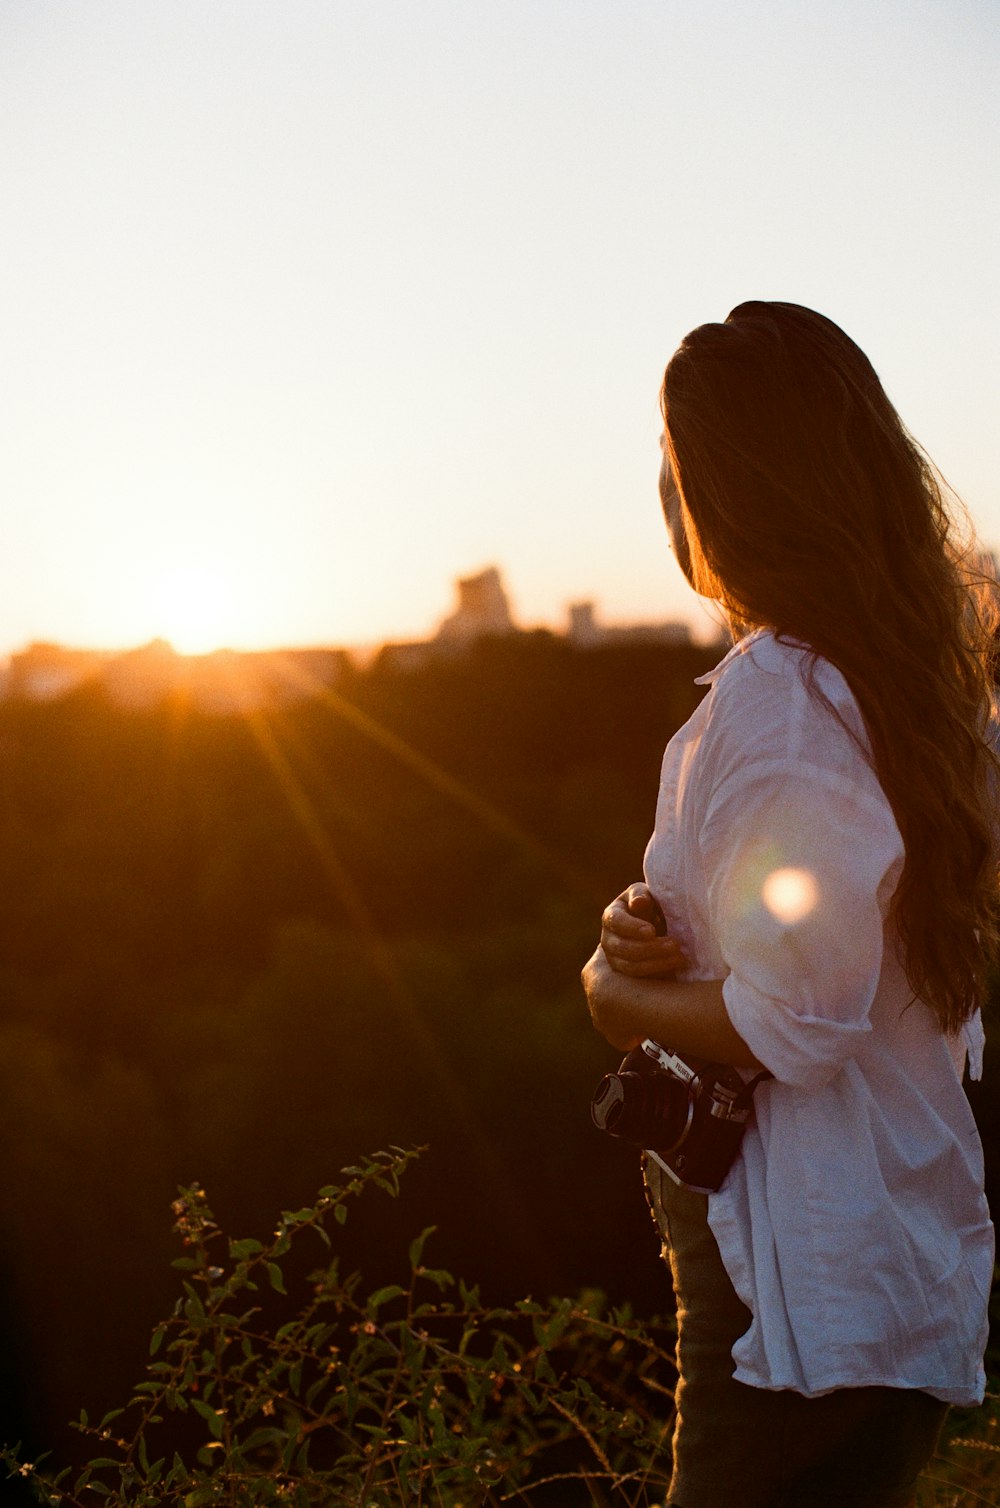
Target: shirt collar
739	648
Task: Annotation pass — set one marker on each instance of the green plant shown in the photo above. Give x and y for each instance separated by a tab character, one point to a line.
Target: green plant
413	1394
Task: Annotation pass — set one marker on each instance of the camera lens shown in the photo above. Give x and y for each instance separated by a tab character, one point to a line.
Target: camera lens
649	1109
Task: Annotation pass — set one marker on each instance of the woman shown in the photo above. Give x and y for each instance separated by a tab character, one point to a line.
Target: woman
823	858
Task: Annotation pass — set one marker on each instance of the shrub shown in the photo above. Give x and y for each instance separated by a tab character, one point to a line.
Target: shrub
413	1395
416	1393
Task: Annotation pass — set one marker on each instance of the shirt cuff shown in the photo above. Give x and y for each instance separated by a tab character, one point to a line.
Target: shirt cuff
803	1050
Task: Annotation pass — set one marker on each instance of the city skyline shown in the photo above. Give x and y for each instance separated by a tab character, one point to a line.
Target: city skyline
249	682
481	608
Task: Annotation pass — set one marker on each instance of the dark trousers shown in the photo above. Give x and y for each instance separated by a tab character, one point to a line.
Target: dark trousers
742	1447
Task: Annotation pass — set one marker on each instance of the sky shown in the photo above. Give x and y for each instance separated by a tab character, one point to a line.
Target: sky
310	306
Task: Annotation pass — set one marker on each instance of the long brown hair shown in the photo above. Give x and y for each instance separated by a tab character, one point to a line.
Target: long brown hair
810	509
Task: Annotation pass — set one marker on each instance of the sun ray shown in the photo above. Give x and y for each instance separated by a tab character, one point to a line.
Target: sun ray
474	1128
484	811
374	944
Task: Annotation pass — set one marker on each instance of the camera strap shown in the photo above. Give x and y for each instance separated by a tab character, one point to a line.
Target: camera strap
746	1093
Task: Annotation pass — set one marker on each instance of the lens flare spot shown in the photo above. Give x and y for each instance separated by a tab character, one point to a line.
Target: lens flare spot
790	894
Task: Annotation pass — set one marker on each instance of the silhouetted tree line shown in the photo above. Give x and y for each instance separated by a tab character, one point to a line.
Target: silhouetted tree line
246	949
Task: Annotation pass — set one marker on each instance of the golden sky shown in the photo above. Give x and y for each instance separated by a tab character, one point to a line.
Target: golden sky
308	308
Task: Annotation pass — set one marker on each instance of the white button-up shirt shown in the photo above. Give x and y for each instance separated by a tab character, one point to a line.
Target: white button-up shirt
853	1225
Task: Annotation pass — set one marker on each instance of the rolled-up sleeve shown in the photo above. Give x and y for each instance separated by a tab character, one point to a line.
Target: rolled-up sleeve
800	866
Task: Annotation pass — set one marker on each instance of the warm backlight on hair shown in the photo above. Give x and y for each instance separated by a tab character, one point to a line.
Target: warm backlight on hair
790	894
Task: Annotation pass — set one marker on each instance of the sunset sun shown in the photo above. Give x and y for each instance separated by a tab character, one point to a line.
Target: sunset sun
195	607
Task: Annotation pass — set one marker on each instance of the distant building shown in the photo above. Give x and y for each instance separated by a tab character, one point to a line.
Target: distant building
143	677
412	655
483	610
231	682
45	672
225	681
584	631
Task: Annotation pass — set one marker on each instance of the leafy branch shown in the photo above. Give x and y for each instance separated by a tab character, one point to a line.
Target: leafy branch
271	1384
416	1393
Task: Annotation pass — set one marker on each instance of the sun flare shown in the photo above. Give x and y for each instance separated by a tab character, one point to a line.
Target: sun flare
790	894
195	607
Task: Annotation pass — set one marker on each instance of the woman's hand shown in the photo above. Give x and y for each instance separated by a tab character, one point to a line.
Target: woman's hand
630	940
611	1009
630	946
690	1016
632	992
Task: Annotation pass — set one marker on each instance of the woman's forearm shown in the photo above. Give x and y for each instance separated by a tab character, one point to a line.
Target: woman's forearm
689	1017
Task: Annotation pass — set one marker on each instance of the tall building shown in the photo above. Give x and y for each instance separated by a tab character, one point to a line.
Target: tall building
482	609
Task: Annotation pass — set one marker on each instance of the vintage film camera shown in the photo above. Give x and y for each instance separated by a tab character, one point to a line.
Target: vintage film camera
689	1115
